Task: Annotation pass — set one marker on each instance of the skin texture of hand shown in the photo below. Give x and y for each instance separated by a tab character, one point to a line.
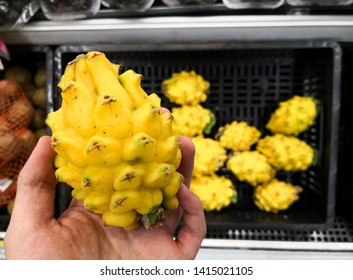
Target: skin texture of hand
33	233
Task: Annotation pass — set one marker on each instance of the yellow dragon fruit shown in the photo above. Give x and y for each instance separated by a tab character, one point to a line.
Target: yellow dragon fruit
186	88
215	192
276	196
209	156
286	152
238	136
114	146
251	167
293	116
192	120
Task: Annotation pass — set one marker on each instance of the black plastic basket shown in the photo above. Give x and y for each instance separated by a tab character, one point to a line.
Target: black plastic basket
247	82
32	58
345	152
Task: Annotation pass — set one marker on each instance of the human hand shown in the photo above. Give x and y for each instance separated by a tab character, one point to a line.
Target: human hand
33	232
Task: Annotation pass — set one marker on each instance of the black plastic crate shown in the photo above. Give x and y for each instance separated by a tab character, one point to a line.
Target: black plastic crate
345	152
31	58
247	82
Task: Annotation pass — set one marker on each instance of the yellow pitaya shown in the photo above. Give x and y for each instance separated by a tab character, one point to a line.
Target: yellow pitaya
114	146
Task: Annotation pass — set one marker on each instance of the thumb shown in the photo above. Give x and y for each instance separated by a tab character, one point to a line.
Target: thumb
36	186
193	231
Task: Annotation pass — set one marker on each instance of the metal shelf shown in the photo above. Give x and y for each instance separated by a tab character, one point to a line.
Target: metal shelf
183	29
334	243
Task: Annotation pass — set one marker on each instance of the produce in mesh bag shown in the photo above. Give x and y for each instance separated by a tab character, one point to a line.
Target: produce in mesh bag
238	136
16	111
192	120
276	196
186	88
9	146
286	153
18	74
215	192
10	171
251	167
34	86
115	146
293	116
16	140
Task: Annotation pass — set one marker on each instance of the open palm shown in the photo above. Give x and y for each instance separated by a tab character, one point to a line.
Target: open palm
33	233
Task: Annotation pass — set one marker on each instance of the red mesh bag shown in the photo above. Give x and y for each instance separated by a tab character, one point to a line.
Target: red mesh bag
16	140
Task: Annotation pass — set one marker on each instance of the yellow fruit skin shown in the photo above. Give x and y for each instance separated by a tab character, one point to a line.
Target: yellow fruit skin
190	120
98	179
55	120
293	116
69	145
79	193
215	192
128	220
70	174
140	147
147	119
155	100
168	149
69	74
209	156
186	88
114	146
286	152
142	201
251	167
102	150
128	176
105	80
171	203
238	136
59	161
77	116
130	80
167	129
177	160
276	196
171	189
158	175
112	117
83	77
97	202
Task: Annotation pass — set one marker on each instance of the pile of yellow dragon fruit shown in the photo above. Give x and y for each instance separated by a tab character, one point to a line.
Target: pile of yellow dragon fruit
253	157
